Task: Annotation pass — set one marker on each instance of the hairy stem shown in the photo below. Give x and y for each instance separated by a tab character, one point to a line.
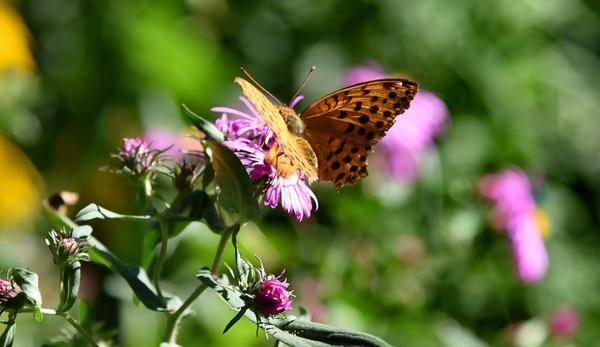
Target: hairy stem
162	255
74	323
79	328
174	319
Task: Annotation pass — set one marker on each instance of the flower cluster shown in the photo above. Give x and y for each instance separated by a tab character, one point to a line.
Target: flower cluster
138	157
68	247
400	151
272	296
515	211
8	291
256	147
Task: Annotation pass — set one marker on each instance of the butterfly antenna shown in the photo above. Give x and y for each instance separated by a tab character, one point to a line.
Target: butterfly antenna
263	89
310	71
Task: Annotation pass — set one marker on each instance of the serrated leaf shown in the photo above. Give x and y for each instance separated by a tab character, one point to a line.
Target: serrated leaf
93	211
8	336
208	128
136	277
69	285
236	189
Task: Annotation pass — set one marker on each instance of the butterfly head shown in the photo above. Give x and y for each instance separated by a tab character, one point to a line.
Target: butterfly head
292	120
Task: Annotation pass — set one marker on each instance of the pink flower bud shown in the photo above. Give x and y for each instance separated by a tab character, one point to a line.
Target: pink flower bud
272	296
8	291
137	155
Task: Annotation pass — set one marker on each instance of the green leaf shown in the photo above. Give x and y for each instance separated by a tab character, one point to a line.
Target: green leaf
237	192
37	314
136	277
8	336
214	218
93	211
82	231
208	175
330	335
289	329
69	285
58	220
28	281
208	128
235	319
244	268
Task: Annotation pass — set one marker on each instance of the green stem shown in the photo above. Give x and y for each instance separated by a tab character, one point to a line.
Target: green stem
79	328
50	312
174	320
162	255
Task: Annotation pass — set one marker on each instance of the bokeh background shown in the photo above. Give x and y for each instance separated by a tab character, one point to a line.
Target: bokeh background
416	262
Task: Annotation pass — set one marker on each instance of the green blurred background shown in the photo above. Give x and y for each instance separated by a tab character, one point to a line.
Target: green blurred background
424	268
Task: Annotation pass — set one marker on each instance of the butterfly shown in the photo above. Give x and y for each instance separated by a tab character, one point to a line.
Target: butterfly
331	139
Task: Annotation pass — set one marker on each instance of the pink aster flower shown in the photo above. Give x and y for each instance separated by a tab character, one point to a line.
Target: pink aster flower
137	155
564	322
413	133
515	212
272	296
236	124
254	144
8	291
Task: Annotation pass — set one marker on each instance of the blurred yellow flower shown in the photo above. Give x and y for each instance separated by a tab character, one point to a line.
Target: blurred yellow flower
19	186
14	41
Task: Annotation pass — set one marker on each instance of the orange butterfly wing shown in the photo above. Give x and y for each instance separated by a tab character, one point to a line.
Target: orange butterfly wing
343	126
298	151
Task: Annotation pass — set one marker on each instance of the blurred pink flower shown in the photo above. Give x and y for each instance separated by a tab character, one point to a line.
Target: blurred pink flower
564	322
515	212
272	296
413	133
365	72
167	142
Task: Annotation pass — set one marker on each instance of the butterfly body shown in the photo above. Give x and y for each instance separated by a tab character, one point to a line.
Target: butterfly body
331	139
294	122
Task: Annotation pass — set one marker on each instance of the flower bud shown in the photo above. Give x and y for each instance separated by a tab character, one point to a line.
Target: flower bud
272	296
66	248
138	156
8	291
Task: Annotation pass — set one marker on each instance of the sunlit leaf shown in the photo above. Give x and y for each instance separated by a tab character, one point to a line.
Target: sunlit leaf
28	282
289	329
136	277
93	211
8	336
207	127
69	285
